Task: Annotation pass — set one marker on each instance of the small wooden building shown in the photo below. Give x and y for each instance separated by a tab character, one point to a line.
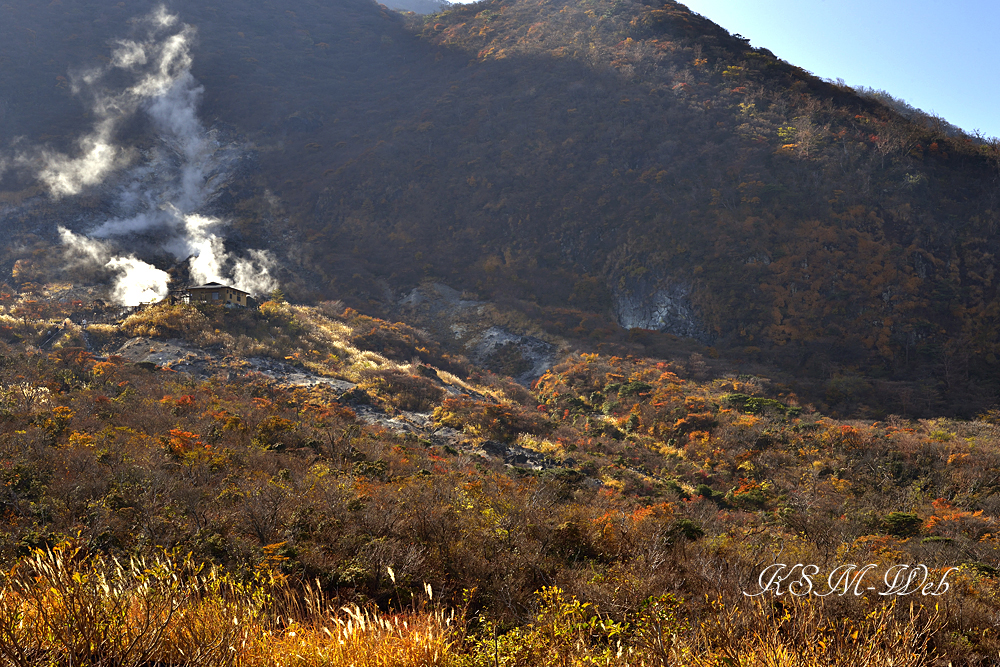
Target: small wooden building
220	294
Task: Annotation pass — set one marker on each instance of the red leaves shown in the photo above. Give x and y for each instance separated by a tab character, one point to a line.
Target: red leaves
181	442
179	405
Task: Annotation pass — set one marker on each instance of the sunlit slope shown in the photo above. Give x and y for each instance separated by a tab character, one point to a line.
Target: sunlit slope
622	158
231	486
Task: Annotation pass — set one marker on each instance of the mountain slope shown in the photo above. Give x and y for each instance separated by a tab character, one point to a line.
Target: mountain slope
707	187
325	450
627	160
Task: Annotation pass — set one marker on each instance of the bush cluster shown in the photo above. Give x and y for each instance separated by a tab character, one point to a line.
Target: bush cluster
653	484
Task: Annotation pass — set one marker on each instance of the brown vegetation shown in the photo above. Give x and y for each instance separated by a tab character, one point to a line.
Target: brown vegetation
552	155
658	484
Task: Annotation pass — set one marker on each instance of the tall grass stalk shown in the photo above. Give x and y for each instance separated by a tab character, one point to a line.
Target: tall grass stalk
63	607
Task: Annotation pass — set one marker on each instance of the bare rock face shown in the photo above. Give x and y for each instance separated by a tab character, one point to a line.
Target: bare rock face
524	358
515	455
469	325
666	307
180	356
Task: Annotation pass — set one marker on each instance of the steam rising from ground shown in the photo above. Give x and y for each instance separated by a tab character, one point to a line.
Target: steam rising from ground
136	281
158	64
163	196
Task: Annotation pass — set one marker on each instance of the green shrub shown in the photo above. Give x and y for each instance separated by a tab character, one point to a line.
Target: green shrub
901	524
756	405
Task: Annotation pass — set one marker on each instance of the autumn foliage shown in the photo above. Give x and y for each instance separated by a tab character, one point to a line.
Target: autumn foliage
654	493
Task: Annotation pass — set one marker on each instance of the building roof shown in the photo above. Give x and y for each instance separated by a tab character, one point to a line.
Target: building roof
217	286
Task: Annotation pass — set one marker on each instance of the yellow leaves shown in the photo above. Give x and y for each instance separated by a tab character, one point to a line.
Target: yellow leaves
941	435
102	368
654	174
78	439
229	421
840	485
63	413
956	457
696	404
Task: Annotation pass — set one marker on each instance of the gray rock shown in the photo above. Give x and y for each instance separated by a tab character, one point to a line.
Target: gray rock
496	348
290	376
515	455
666	307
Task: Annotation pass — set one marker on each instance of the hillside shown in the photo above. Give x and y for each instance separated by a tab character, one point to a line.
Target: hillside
589	164
594	313
317	451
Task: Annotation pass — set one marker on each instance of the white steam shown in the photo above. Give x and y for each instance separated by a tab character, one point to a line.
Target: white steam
164	198
68	176
158	63
254	274
135	280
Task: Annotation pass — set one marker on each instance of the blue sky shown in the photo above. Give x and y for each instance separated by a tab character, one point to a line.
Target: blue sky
942	57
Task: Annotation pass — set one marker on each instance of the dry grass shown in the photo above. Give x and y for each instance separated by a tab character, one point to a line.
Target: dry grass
62	607
805	632
357	637
282	331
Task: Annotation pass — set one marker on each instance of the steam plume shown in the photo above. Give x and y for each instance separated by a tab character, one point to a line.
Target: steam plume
157	64
165	196
135	280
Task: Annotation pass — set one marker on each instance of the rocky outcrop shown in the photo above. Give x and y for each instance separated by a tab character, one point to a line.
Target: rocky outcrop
466	323
517	456
178	355
665	306
524	358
